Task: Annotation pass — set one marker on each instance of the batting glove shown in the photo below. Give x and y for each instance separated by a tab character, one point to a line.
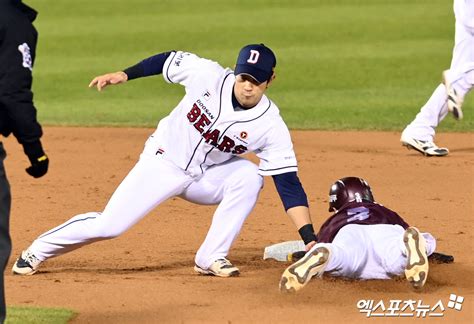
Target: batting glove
38	159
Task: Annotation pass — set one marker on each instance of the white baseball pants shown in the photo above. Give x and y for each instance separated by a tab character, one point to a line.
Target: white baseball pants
460	75
370	251
234	185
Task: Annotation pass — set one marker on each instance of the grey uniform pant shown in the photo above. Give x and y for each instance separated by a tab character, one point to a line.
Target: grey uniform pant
5	243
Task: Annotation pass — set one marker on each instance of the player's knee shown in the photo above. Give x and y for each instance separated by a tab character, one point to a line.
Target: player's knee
250	183
103	229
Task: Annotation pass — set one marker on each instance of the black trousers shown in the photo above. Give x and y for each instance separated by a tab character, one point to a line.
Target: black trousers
5	242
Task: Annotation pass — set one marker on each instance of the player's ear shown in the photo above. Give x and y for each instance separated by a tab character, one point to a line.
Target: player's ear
271	79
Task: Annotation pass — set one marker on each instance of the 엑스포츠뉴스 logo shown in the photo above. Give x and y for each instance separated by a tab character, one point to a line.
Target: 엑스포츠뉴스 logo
409	308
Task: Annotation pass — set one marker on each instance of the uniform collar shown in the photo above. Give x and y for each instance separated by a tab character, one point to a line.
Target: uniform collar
244	114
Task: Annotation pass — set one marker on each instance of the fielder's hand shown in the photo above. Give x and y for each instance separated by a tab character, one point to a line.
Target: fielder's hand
110	78
310	245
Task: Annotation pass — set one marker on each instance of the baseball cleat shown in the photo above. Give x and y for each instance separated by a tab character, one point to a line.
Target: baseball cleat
454	101
220	268
426	148
417	267
27	264
300	273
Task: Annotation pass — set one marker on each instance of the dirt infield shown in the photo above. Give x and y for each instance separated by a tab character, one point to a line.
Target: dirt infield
146	275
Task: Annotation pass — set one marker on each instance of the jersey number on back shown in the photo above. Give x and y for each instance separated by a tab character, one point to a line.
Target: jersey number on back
358	213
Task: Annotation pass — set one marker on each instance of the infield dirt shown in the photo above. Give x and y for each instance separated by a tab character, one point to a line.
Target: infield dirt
146	275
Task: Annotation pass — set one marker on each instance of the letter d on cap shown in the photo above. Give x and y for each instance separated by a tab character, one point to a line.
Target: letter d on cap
253	56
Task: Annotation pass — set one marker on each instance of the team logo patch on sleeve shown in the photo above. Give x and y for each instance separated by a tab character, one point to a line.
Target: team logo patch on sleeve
25	52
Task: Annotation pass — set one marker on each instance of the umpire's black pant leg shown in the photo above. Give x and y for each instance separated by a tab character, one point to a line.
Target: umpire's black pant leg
5	243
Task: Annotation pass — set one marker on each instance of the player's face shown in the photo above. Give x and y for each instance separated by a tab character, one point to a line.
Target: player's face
248	91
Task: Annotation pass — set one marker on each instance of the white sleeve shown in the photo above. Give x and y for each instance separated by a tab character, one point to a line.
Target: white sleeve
464	12
277	156
187	68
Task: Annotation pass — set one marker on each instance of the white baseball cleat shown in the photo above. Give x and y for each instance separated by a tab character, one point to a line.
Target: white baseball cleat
416	270
27	264
300	273
220	268
427	148
454	101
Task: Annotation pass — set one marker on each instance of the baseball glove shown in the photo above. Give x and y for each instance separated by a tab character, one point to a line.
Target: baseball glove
437	257
295	256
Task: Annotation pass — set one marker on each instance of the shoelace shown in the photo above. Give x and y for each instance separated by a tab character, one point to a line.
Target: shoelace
31	259
427	145
224	262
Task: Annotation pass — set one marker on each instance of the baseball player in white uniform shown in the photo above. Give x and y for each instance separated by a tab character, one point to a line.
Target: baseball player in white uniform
362	240
195	153
448	96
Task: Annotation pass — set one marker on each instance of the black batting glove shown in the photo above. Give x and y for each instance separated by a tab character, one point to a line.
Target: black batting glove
38	159
39	167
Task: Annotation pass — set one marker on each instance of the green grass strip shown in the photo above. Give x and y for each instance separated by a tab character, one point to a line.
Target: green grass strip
35	315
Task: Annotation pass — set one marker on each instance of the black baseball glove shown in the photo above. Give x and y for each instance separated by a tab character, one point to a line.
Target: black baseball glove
437	257
38	159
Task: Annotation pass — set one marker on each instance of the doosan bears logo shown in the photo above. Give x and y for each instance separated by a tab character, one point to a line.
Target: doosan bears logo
254	55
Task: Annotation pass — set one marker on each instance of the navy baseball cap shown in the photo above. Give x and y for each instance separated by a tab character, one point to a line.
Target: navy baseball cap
256	60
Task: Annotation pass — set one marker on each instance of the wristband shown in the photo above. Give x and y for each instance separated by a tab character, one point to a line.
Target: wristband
134	72
307	233
33	150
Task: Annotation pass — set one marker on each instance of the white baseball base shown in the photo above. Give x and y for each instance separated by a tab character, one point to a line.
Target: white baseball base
280	251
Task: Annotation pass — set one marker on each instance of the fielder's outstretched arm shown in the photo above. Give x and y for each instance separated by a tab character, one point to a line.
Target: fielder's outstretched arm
149	66
302	219
295	202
